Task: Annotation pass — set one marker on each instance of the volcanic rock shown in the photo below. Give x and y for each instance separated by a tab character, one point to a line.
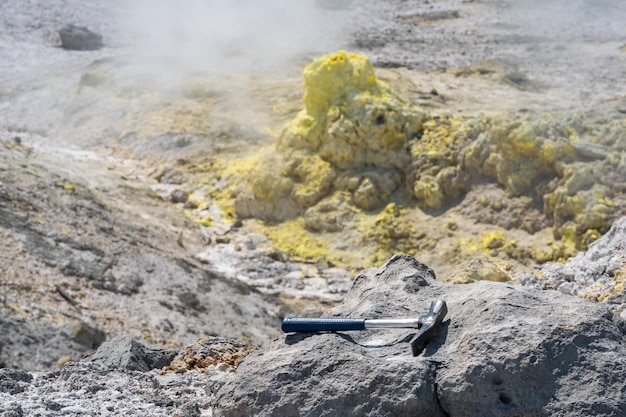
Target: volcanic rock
502	350
123	378
13	381
80	38
128	353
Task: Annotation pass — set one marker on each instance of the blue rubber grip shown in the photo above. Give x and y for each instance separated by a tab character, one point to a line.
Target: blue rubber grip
305	325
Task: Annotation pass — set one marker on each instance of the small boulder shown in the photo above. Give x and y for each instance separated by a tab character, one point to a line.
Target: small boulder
128	353
79	38
179	196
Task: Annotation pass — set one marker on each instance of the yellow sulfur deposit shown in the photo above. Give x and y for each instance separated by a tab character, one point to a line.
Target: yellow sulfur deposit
517	154
351	119
313	178
480	268
391	232
333	79
428	192
352	136
492	240
438	175
360	173
331	215
291	237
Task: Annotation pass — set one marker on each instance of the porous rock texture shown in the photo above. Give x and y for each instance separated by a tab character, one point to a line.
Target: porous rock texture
502	350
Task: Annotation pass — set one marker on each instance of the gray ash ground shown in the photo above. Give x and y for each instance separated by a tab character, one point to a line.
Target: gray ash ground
567	53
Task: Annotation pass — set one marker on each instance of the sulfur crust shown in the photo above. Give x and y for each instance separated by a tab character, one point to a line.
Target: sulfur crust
291	237
350	118
391	163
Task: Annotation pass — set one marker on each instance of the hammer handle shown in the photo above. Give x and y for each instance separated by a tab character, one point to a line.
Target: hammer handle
303	324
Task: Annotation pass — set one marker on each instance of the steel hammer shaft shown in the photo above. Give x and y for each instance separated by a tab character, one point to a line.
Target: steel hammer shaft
428	325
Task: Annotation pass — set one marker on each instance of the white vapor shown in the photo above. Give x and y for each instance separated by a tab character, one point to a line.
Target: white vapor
228	35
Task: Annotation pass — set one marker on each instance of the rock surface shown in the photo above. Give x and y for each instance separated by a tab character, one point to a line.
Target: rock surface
503	350
77	269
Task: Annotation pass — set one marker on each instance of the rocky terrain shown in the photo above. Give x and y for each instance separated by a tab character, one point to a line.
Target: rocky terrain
168	195
502	350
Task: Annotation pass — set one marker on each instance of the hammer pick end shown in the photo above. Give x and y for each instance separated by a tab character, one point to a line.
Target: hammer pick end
431	323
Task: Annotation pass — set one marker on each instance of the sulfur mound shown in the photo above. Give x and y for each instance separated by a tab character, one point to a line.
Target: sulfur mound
357	149
350	119
352	136
565	165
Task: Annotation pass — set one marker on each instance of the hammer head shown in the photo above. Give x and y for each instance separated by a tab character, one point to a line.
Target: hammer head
430	325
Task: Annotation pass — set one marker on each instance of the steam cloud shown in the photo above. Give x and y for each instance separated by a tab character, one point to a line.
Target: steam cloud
228	35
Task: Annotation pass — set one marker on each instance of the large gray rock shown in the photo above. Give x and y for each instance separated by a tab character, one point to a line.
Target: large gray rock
503	350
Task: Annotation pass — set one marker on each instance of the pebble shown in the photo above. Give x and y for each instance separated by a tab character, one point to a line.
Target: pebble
179	196
73	409
568	288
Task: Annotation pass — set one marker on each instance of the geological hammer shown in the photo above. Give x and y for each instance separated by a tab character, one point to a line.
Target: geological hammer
428	325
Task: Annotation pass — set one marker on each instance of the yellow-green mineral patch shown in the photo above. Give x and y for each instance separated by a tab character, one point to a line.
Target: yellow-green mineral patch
351	119
492	240
291	237
352	136
480	268
389	231
361	173
333	79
